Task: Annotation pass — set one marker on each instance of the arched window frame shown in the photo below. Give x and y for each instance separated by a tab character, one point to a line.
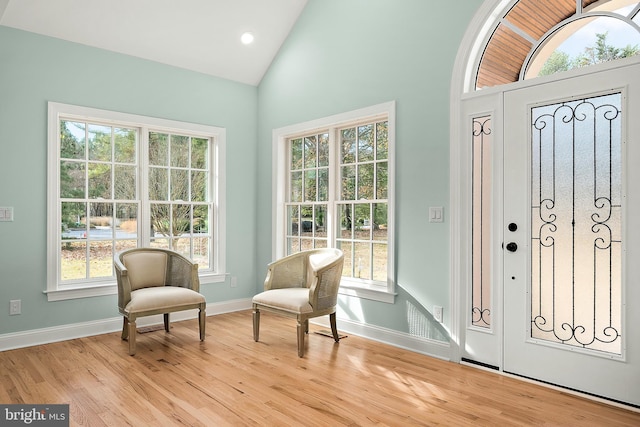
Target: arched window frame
497	18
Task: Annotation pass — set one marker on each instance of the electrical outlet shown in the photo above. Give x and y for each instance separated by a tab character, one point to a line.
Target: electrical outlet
436	214
437	313
234	281
6	214
15	306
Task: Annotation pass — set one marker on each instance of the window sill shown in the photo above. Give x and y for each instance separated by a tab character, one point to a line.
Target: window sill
82	292
90	291
359	290
207	278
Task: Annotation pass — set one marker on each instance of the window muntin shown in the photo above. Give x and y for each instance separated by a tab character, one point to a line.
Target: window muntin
97	184
584	42
112	186
520	40
179	208
362	207
359	186
308	192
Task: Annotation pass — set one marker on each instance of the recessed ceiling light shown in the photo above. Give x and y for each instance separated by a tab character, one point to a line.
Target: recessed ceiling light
247	38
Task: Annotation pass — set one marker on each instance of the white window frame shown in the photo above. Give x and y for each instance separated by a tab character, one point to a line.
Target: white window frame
280	138
55	290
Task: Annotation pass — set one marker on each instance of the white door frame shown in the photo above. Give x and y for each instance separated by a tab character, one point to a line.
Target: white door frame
460	189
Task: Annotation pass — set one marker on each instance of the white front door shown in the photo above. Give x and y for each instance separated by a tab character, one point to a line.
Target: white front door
571	212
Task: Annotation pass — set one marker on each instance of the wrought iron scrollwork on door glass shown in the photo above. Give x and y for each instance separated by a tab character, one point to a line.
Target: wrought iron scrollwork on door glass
481	251
576	229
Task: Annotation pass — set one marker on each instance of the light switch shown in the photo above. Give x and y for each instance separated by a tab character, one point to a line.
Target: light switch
436	214
6	214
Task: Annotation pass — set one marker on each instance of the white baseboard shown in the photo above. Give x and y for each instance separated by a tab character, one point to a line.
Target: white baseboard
33	337
114	324
433	348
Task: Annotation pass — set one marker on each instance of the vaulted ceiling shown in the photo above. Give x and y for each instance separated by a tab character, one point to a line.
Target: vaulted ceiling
199	35
204	35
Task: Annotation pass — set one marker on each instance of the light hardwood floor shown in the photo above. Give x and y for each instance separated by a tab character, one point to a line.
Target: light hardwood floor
229	380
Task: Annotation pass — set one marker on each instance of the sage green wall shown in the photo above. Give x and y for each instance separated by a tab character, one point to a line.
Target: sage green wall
341	55
36	69
344	55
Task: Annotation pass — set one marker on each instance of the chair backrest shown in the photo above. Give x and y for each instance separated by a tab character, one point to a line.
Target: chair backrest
299	269
145	268
288	272
323	277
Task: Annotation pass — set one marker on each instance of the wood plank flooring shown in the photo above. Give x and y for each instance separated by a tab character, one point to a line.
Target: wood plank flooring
230	380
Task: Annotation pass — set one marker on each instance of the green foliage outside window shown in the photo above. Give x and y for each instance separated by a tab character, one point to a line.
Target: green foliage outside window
601	52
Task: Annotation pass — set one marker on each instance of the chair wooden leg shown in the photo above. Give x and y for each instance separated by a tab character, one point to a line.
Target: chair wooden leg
132	337
125	328
166	322
334	328
301	333
256	324
202	319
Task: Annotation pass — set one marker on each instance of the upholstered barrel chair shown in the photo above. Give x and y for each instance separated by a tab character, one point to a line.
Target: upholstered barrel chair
303	285
156	281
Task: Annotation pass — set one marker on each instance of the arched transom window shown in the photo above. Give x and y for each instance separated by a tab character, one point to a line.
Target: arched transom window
538	37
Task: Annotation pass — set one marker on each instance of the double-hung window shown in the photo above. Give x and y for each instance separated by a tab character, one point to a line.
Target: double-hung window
119	181
334	188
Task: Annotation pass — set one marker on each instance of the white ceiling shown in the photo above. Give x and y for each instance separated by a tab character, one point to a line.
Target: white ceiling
199	35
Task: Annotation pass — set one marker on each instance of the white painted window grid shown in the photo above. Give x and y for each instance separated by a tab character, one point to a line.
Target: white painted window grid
297	222
205	243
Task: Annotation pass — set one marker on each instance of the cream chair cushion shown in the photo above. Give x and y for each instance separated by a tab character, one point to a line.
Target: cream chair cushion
294	300
161	299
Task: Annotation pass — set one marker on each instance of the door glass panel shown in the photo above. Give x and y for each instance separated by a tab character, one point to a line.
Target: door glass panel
481	252
576	223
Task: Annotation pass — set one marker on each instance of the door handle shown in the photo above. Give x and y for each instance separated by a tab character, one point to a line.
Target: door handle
512	246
